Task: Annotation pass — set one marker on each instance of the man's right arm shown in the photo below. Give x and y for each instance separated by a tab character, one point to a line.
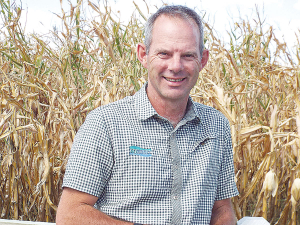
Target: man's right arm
76	207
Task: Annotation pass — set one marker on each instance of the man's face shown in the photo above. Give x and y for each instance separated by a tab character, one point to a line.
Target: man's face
173	61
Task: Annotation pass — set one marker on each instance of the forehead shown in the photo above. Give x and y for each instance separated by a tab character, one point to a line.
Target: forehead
173	19
175	31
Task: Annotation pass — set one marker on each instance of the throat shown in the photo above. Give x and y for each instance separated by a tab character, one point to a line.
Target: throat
170	109
174	116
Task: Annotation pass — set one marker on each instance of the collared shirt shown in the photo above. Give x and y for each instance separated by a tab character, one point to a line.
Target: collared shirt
144	170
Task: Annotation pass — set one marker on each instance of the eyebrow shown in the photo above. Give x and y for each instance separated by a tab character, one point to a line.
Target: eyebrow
161	50
184	53
190	53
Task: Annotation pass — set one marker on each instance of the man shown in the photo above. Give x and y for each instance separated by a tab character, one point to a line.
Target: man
156	157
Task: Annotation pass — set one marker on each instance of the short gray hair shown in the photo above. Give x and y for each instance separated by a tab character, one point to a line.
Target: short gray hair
173	11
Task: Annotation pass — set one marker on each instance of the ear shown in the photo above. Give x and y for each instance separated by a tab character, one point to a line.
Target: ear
141	54
204	59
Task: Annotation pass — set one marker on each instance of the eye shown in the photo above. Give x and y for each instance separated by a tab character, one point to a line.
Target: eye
163	54
189	55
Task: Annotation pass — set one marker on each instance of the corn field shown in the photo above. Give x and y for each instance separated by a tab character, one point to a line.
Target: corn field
49	85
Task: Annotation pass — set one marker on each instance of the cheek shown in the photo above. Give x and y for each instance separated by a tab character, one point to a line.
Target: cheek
152	59
194	68
197	65
157	65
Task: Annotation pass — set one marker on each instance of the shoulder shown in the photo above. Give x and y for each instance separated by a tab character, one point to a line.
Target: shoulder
113	109
208	113
108	115
212	119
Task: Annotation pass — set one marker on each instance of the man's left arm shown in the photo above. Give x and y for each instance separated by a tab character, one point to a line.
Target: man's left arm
223	213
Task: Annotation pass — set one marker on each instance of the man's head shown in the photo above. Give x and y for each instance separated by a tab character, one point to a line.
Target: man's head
174	57
178	11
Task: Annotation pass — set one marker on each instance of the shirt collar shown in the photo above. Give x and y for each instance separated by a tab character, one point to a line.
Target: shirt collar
145	110
143	106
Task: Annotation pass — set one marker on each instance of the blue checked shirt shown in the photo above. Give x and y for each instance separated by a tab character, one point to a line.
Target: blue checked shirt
143	170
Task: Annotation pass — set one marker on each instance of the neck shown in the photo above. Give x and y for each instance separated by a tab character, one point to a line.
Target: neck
173	111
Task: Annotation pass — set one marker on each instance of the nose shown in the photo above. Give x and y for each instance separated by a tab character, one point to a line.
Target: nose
175	64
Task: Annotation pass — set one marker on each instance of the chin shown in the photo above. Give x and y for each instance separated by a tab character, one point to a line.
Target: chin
176	96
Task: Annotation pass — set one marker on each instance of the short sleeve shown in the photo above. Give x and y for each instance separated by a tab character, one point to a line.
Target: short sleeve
91	159
226	184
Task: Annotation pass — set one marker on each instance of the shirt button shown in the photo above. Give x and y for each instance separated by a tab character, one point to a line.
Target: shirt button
175	197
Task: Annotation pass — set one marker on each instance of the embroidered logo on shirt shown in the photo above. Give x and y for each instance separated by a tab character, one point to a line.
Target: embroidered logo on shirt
134	150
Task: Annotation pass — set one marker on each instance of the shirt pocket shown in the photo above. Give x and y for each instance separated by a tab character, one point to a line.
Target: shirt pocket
205	156
201	168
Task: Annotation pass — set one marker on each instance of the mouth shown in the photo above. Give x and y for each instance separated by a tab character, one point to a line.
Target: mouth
174	80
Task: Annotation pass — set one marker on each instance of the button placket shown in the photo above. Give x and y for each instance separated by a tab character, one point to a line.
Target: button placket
177	180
